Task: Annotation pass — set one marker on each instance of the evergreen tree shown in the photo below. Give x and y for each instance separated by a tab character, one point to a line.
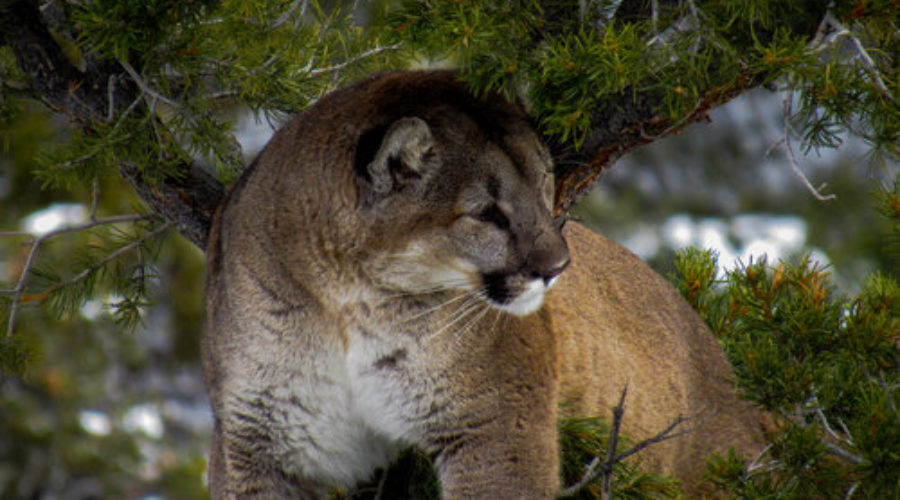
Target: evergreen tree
151	90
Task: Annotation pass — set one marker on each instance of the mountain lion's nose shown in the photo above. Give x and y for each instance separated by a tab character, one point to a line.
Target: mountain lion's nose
548	255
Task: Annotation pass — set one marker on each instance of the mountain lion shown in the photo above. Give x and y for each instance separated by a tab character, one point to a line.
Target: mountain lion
388	274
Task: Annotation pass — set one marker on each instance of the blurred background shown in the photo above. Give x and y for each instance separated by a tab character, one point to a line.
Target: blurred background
107	410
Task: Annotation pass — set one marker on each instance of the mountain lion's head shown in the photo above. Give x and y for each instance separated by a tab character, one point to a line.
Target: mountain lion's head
459	197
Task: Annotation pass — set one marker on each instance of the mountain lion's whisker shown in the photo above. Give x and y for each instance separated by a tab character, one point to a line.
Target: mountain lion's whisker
474	321
432	309
470	305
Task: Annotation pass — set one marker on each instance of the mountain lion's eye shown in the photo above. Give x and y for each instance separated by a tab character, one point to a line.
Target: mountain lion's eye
495	216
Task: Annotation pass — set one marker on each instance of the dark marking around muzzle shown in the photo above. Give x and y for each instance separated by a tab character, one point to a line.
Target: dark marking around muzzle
495	287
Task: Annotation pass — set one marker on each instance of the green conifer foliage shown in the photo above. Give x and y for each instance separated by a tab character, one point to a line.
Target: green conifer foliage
152	88
571	58
827	367
185	68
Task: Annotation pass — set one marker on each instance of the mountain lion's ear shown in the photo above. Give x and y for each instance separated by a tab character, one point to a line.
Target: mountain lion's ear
402	158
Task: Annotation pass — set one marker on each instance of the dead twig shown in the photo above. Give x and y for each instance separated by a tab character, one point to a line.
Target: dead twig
597	469
284	18
787	111
613	442
838	31
846	455
352	60
145	87
379	492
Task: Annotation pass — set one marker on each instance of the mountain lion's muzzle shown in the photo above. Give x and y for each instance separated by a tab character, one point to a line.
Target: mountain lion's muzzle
521	291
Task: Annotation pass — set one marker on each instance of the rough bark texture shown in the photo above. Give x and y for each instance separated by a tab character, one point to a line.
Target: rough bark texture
83	94
618	127
79	93
189	201
630	120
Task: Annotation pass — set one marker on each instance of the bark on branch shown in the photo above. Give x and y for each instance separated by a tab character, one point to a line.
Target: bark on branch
622	124
91	92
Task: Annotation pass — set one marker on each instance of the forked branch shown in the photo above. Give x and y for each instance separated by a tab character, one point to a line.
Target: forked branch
598	469
36	242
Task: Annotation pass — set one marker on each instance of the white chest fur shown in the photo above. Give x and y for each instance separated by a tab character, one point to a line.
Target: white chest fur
360	409
380	383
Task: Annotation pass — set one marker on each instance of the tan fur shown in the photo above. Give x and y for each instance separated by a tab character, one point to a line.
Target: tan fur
617	321
369	284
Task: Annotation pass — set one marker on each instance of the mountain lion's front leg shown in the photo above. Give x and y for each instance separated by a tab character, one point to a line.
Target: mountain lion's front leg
236	473
502	460
504	445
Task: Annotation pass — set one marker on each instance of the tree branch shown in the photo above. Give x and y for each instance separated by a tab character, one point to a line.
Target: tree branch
787	112
89	96
629	119
36	243
189	200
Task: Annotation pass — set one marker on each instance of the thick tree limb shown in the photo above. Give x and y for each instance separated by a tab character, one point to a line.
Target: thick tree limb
189	203
91	94
630	119
621	125
79	93
96	88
